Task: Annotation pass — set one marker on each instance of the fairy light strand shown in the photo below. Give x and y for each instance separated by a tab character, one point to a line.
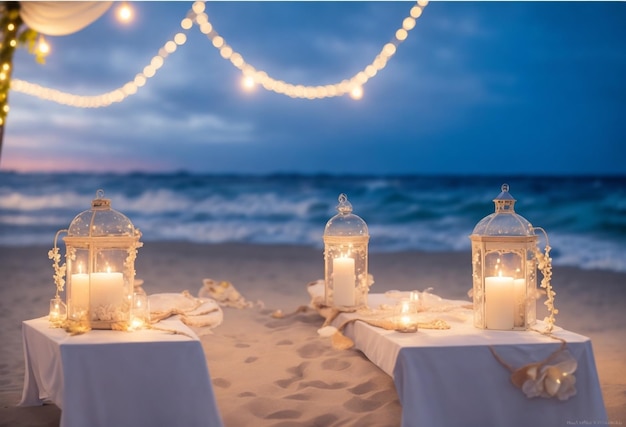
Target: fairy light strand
251	76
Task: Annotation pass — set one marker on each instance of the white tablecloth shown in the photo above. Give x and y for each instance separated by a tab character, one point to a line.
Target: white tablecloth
450	377
115	379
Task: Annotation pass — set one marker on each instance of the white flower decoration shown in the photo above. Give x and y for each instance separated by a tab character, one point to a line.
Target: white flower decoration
548	379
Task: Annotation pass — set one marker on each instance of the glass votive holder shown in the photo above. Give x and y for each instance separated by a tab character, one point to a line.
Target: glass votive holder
140	312
405	315
58	312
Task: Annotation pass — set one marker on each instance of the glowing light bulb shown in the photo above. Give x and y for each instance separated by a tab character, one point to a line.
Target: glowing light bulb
356	92
42	46
252	77
248	83
124	12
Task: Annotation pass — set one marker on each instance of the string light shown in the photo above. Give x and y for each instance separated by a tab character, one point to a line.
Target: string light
353	85
248	83
356	92
42	46
125	12
251	77
10	22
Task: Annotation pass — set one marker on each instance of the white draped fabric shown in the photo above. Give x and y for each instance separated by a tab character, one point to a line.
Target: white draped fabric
104	378
450	378
60	18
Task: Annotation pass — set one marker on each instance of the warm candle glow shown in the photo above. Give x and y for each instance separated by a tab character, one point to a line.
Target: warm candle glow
57	312
406	315
140	313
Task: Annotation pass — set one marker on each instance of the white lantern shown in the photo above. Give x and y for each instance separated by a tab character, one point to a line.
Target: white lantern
100	250
346	239
504	268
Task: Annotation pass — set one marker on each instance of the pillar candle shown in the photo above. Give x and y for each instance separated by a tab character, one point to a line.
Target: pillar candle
519	290
107	289
79	291
499	302
343	281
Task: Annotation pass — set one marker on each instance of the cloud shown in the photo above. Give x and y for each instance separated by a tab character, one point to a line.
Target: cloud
472	77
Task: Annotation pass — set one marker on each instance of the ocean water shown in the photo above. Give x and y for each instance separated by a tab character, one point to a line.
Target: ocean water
585	217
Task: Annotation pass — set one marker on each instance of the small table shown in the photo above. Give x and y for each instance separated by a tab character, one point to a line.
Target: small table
111	378
451	378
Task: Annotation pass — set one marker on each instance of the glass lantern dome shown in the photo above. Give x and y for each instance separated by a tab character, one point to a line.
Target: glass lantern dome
345	223
504	221
101	220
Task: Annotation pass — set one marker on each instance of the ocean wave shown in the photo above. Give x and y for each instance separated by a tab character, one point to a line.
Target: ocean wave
584	216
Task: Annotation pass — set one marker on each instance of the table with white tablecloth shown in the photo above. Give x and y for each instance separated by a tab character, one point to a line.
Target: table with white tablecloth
450	377
112	378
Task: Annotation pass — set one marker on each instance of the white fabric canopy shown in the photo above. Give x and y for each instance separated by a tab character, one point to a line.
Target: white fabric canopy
60	18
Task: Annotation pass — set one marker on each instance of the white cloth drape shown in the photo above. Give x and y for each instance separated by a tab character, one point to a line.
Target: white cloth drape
60	18
451	378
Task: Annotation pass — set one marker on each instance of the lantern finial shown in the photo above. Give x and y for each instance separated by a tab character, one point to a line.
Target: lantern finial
344	206
504	202
100	202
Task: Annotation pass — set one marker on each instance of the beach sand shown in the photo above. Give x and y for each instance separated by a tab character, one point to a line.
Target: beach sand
279	372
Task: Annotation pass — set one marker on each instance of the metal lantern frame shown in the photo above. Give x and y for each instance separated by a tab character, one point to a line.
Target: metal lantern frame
504	268
346	238
100	251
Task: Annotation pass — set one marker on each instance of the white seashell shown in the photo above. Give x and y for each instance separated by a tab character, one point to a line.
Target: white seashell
327	331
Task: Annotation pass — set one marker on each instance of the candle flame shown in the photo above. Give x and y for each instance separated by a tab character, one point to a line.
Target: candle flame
405	306
137	323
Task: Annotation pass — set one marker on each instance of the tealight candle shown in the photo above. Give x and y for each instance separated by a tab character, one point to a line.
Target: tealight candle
140	313
406	316
58	312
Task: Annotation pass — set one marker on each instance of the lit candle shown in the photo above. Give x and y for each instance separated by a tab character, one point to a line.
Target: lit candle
499	302
519	286
107	289
140	311
79	292
406	312
343	281
57	312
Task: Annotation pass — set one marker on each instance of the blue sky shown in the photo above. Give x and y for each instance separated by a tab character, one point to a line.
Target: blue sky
477	88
